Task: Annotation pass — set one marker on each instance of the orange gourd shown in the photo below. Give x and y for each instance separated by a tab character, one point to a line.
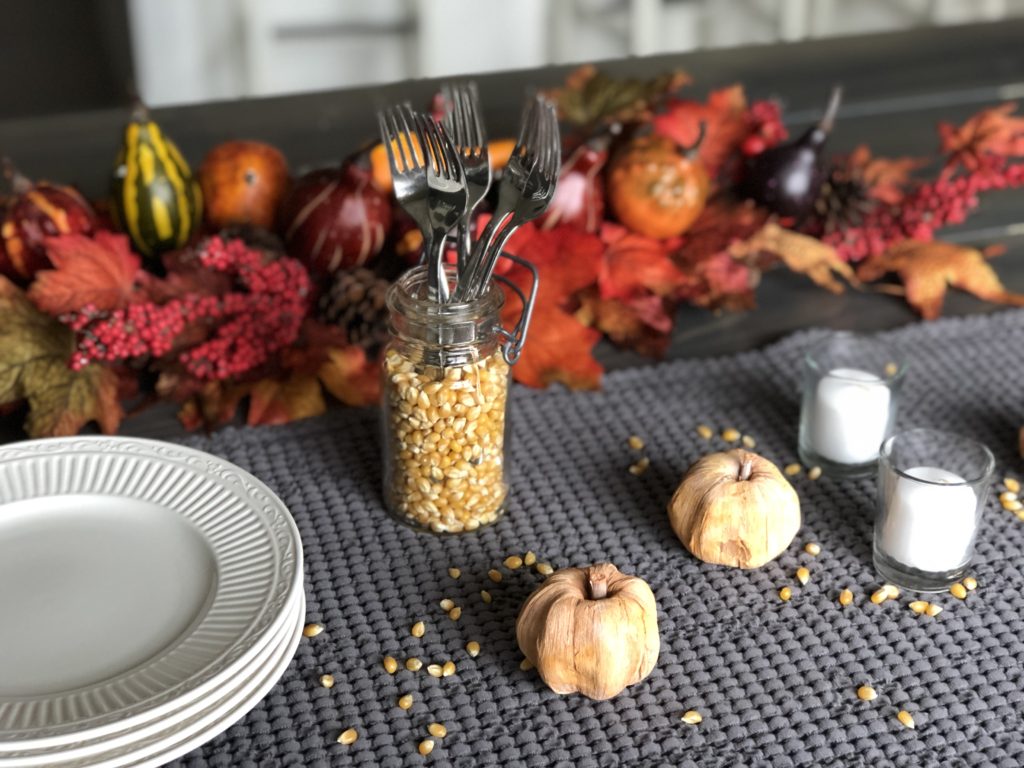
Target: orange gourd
243	182
657	189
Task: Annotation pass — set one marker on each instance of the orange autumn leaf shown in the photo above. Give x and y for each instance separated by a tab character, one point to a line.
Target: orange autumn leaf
800	253
884	178
994	131
641	324
279	401
350	376
98	270
724	115
558	347
206	405
634	265
928	269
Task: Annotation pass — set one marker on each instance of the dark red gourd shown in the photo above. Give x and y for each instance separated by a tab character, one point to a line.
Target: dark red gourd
787	179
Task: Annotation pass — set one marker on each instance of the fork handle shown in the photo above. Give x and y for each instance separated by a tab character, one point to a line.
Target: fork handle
494	248
469	286
437	278
465	244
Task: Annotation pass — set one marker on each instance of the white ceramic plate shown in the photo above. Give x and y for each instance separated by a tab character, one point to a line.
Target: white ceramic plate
220	713
39	758
135	577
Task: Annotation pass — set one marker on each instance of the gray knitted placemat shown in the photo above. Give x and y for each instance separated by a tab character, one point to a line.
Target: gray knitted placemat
776	682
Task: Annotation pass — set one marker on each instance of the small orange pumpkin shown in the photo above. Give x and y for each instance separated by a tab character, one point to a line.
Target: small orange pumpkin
656	189
499	150
243	182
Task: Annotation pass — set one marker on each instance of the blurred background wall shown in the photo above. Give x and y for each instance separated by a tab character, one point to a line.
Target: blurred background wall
64	55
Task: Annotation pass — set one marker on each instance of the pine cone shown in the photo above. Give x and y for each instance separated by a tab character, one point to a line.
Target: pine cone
356	303
842	201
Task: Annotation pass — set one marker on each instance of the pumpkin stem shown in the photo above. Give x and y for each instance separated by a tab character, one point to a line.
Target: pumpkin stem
597	580
140	113
691	151
745	469
19	183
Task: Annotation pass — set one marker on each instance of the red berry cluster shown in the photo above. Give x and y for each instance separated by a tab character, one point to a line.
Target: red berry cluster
928	207
766	128
238	330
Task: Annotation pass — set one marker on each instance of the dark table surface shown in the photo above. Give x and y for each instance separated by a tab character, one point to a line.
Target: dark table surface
897	88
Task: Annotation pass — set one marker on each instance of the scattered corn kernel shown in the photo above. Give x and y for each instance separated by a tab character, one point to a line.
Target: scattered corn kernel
529	558
413	664
705	431
513	562
448	669
812	548
748	442
640	467
691	717
405	702
494	575
455	613
418	629
845	597
880	596
426	747
803	575
867	693
905	718
486	596
434	670
327	681
525	665
1007	496
792	469
1013	506
438	730
891	590
933	609
312	630
1012	484
473	648
958	591
919	606
447	605
348	737
730	435
970	583
891	369
636	442
814	473
785	593
454	573
391	665
545	569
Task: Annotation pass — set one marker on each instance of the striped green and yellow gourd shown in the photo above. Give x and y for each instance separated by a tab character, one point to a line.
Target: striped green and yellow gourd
157	201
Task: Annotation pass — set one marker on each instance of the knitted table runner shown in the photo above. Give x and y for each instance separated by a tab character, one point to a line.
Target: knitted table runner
775	681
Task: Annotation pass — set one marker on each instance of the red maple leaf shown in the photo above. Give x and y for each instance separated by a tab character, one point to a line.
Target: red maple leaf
100	270
634	266
558	348
726	123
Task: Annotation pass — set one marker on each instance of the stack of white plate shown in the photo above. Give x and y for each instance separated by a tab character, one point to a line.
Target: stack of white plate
150	596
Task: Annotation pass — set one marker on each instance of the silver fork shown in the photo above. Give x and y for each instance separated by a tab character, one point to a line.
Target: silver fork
526	190
408	167
446	198
466	128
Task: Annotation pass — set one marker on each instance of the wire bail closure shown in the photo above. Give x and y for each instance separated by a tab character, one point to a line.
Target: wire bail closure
515	340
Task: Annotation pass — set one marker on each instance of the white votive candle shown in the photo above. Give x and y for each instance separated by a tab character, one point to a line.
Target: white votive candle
930	526
849	416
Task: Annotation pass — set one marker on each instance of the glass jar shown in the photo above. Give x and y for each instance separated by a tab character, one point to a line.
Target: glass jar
444	399
850	396
932	487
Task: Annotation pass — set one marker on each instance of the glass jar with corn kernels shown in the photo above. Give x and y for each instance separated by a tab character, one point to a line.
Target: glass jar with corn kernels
444	400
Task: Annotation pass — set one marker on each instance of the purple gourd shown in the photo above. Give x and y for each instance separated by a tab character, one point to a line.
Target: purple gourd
787	179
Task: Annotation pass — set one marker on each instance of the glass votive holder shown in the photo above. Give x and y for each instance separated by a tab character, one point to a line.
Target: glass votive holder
931	492
851	390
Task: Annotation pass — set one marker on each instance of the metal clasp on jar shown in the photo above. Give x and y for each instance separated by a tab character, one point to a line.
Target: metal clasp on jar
514	340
